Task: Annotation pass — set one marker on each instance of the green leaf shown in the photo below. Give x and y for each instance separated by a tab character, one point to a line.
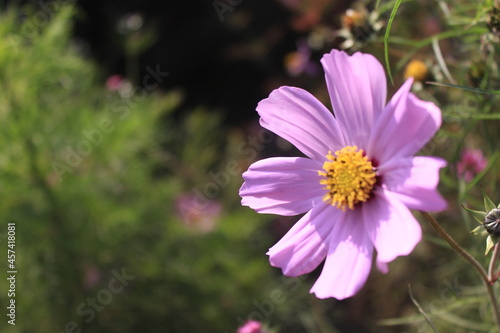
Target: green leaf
488	204
421	310
489	244
475	90
477	230
485	116
478	215
386	38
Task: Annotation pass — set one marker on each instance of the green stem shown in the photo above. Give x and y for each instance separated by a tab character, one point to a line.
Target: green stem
492	277
466	255
457	247
419	307
69	277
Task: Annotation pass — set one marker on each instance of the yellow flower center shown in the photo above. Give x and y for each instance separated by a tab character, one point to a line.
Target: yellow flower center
349	177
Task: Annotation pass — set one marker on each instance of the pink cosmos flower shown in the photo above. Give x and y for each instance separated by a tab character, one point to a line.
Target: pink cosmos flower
471	163
251	326
359	179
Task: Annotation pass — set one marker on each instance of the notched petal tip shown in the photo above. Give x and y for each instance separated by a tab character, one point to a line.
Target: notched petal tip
415	181
405	126
349	261
358	89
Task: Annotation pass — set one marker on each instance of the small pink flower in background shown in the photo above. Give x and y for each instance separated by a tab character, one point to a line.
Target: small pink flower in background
298	62
359	179
251	326
471	163
198	213
114	82
92	276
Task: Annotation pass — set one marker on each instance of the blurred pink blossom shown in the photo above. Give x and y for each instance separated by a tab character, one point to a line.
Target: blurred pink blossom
471	163
251	326
114	82
298	62
92	276
198	212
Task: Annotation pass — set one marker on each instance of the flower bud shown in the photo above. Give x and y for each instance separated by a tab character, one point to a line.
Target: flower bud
492	222
418	70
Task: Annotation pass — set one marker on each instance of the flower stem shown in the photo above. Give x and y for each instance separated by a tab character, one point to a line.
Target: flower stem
477	266
492	276
466	255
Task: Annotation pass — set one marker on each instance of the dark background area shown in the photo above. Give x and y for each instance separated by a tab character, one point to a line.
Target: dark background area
209	59
227	60
229	64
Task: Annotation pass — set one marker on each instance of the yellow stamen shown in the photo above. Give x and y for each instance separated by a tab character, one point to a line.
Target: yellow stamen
349	177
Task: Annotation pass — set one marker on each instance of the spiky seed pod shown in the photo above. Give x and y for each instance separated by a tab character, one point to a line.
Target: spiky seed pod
492	222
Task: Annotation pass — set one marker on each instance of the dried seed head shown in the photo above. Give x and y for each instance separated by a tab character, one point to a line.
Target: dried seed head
492	222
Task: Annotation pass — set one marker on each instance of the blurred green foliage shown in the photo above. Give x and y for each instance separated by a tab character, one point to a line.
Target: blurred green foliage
91	178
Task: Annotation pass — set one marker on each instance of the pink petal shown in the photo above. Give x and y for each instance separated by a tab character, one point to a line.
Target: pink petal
404	127
282	185
251	326
349	259
297	116
414	181
392	228
383	267
357	87
305	246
